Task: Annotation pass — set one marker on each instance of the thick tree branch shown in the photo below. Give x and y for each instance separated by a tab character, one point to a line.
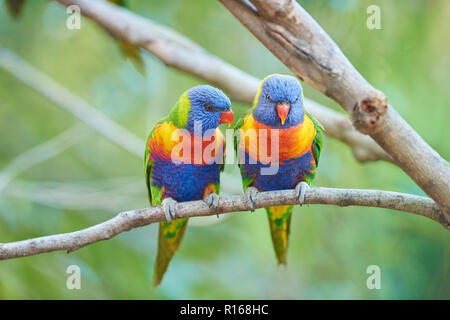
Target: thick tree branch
192	58
177	51
128	220
287	30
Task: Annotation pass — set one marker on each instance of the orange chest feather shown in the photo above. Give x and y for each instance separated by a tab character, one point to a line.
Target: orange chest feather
170	143
263	143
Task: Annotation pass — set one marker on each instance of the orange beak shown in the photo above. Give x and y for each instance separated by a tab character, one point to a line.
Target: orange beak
282	111
227	117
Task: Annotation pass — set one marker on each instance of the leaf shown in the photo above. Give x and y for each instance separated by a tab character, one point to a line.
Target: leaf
130	51
15	7
133	53
122	3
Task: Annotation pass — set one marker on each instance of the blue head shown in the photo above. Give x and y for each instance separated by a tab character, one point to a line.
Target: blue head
209	106
279	102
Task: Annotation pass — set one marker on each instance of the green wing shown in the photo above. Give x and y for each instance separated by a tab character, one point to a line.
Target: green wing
222	166
157	197
246	181
316	147
318	139
236	127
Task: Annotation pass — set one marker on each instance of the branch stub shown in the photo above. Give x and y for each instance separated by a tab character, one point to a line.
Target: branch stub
368	113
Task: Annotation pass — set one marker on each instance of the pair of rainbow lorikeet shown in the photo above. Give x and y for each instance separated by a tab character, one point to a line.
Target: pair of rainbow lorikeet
278	105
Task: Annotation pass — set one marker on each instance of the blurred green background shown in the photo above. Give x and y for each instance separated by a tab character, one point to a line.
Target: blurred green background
93	179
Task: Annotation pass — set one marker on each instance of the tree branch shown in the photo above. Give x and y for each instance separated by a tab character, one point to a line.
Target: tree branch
109	194
128	220
180	52
290	33
40	153
70	102
195	60
86	113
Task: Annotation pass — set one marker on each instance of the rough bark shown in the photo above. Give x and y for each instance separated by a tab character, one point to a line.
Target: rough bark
128	220
180	52
290	33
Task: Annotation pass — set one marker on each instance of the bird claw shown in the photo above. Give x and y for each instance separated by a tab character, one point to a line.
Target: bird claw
212	200
250	195
300	191
169	207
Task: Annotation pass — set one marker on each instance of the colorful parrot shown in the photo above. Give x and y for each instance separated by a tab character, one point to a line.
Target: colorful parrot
278	105
189	173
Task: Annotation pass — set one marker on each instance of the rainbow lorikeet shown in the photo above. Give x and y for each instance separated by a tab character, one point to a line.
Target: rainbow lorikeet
183	160
279	123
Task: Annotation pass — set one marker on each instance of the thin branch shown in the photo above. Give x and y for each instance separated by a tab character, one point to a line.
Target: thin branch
128	220
70	102
167	47
291	34
110	194
182	53
100	123
39	154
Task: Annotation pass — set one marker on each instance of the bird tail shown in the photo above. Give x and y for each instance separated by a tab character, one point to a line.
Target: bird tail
279	222
169	239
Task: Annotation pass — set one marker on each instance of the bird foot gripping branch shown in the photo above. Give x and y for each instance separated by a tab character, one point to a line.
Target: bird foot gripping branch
250	195
169	207
212	200
300	191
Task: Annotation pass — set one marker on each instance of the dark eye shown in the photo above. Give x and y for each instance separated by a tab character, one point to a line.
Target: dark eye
268	98
208	107
296	100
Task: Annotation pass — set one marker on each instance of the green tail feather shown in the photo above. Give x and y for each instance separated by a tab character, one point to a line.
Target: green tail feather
280	222
169	239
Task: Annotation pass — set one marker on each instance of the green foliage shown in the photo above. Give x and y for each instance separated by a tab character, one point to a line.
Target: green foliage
330	247
128	50
15	7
